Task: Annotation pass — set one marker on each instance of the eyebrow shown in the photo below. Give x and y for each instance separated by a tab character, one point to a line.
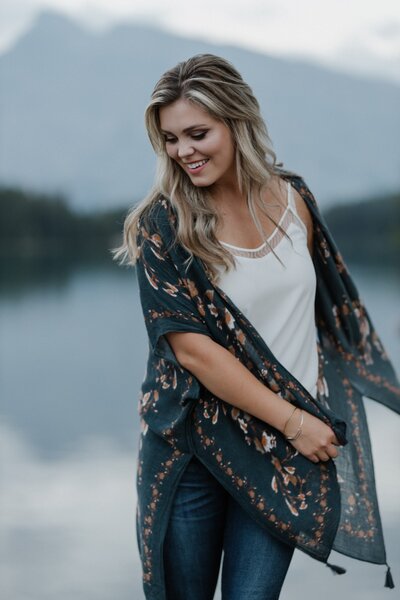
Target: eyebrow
187	128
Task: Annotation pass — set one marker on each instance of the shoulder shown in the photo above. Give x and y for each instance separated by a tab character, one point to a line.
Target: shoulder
305	215
156	227
305	200
156	214
302	208
305	203
158	217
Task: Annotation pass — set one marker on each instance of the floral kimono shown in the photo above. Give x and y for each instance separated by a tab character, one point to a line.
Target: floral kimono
315	507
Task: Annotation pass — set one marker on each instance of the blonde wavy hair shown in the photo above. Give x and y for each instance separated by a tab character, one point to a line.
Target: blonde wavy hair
213	84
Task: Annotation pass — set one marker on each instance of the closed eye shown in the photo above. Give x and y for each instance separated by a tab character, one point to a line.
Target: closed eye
199	136
194	136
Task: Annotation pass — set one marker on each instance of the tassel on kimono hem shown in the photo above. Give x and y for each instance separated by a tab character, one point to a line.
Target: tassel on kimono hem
389	583
336	569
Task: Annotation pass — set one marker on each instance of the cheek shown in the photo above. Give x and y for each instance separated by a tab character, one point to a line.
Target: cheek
230	149
228	153
171	152
226	147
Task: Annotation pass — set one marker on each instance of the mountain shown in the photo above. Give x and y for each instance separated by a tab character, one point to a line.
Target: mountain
71	114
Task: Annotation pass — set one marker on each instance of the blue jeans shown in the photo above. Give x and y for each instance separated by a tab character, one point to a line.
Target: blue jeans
205	520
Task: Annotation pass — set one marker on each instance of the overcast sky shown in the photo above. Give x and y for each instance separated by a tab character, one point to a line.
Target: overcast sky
359	35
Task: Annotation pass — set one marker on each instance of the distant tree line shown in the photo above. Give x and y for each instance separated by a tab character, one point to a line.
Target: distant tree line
37	227
368	231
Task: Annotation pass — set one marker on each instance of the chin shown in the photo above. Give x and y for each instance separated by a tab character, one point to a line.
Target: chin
205	181
201	184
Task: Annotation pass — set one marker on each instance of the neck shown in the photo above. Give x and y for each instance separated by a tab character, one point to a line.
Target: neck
228	195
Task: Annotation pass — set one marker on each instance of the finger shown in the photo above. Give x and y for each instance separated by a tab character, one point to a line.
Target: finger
323	455
333	453
314	458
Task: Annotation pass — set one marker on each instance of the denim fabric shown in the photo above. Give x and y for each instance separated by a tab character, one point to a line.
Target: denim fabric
206	521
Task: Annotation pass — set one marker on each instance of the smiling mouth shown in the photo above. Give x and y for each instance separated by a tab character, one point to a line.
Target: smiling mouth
196	166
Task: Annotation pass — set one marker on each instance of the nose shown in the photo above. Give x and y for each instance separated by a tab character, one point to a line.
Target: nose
185	148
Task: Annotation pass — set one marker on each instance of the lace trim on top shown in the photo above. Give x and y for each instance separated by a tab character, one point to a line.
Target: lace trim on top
272	241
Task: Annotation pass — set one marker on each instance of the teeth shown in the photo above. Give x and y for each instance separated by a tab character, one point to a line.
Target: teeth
197	164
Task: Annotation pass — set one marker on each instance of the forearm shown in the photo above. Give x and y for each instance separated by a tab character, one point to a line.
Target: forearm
227	378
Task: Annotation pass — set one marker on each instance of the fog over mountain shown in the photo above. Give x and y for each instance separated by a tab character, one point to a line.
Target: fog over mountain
72	104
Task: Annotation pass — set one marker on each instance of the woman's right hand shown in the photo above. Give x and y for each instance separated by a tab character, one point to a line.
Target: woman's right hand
227	378
317	440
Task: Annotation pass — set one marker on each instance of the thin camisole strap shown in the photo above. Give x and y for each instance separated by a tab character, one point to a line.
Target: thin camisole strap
289	215
290	199
291	205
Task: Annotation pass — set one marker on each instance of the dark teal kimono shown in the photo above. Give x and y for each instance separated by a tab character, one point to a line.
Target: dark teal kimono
314	507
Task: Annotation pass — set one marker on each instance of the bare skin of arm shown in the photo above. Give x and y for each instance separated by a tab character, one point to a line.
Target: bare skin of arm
221	373
227	378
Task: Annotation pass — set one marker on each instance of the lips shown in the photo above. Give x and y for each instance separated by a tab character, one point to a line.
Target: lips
195	167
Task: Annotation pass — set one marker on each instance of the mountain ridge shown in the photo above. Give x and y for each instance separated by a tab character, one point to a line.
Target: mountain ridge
72	114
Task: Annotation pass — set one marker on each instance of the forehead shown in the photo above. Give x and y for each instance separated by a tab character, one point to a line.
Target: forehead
182	114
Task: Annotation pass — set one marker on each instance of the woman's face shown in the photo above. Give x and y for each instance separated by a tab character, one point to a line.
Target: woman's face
201	145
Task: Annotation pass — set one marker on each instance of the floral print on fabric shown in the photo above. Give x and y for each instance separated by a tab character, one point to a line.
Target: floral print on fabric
315	507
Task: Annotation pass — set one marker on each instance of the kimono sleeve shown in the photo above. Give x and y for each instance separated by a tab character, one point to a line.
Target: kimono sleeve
167	299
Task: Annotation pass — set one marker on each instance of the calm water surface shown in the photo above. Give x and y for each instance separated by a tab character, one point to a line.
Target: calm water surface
72	357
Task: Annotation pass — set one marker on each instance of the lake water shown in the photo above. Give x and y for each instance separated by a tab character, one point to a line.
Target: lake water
72	357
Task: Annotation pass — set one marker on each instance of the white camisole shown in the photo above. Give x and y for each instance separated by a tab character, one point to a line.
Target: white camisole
277	299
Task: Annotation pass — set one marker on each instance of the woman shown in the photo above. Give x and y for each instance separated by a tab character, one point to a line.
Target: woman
254	439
